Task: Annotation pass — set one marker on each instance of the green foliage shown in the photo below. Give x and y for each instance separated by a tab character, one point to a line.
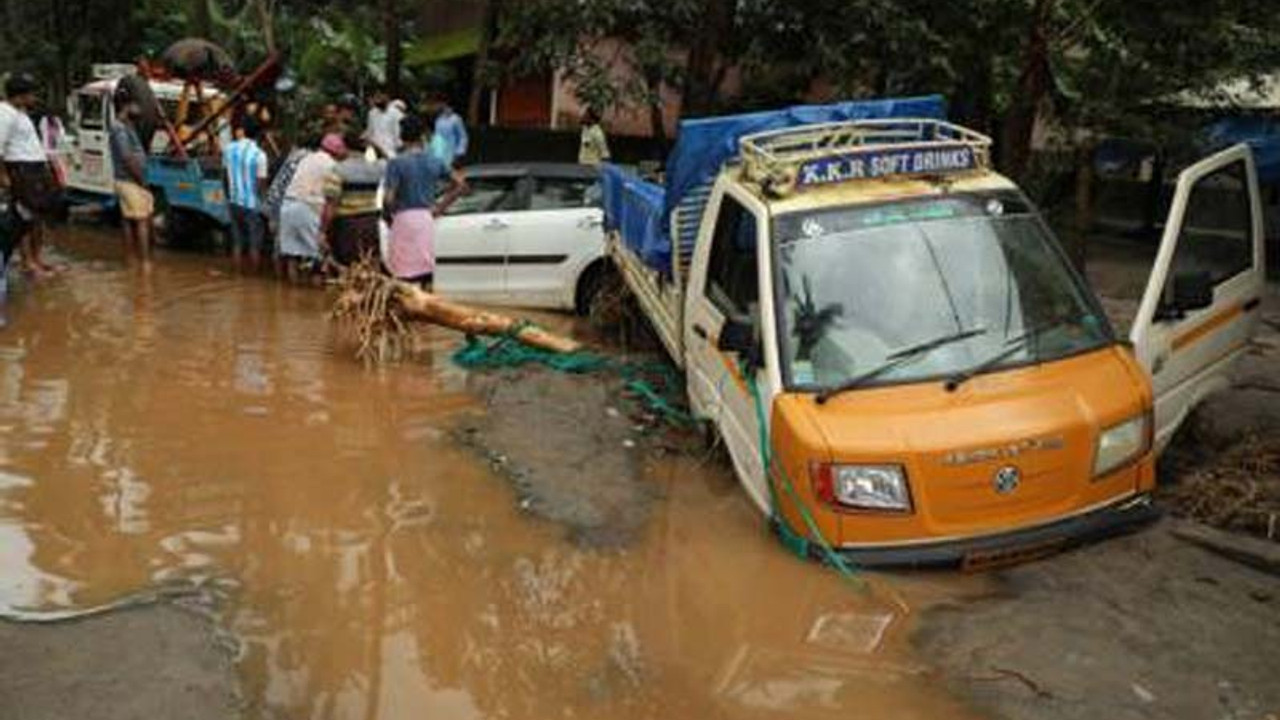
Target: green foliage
340	56
1110	64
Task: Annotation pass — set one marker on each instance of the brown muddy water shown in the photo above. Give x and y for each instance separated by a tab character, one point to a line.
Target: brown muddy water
195	431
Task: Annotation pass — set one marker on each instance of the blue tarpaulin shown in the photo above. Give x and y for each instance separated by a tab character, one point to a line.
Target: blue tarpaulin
641	211
633	207
1261	133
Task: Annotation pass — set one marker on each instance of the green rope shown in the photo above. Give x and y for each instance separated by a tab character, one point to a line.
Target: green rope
795	542
654	386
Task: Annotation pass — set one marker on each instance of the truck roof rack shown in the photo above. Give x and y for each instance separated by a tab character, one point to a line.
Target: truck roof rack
809	155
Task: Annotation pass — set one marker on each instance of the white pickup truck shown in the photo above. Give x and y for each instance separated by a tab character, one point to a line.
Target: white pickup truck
900	360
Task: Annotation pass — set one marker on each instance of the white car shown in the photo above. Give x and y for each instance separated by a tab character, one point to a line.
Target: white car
526	235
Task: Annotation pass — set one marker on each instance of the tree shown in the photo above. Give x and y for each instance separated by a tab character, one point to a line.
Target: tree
394	47
567	37
481	75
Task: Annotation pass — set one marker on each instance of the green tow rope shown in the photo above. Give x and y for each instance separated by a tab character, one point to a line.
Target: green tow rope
795	542
654	385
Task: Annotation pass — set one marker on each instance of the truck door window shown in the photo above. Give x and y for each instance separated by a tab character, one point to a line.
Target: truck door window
1217	230
91	108
732	283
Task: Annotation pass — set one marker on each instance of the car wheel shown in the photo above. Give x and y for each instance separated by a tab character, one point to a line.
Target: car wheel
598	294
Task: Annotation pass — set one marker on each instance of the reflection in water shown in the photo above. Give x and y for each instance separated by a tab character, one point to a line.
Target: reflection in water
192	429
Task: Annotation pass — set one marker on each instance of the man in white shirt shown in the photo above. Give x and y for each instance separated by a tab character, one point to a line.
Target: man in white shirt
32	188
383	127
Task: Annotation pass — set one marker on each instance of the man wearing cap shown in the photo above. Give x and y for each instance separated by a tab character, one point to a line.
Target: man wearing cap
33	188
308	210
129	164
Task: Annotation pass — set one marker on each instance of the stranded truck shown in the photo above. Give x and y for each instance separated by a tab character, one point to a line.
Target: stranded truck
903	365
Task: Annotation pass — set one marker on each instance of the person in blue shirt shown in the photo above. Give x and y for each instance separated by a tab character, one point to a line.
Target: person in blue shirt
412	201
246	178
450	130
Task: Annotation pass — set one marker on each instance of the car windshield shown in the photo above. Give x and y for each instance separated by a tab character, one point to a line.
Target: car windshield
925	288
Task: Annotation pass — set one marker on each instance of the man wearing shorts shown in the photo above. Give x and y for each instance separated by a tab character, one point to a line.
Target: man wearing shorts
33	189
129	161
246	168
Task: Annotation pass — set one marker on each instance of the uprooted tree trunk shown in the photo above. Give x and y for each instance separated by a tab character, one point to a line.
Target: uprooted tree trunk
379	311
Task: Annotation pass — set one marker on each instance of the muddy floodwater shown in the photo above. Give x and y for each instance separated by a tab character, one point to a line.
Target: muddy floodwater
196	436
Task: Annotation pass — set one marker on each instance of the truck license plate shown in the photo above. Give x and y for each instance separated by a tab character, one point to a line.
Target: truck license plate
982	560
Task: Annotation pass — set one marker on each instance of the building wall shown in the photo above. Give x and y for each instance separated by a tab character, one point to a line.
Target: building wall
633	120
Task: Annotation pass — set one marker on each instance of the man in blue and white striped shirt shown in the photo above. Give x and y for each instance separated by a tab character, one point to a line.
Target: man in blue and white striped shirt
246	168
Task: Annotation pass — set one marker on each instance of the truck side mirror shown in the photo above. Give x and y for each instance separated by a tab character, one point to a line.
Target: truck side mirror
740	337
1192	290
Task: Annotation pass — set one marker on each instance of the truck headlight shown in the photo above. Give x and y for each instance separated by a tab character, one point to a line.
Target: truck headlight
863	487
1120	444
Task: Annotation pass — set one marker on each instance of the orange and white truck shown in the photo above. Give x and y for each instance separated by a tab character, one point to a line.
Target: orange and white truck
903	365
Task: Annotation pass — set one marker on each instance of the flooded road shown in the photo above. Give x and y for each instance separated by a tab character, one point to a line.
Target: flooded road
190	431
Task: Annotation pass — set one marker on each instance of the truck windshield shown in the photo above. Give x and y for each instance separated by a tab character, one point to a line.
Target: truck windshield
862	289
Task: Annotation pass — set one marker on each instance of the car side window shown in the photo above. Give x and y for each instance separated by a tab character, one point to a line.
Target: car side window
1217	230
558	193
732	282
488	194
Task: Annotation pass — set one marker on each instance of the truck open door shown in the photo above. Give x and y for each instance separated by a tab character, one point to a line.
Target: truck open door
1201	304
722	342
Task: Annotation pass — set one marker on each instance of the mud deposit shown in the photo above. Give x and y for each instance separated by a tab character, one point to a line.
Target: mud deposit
570	450
147	662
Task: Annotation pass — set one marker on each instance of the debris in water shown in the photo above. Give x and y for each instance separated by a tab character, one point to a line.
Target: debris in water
1239	491
1143	694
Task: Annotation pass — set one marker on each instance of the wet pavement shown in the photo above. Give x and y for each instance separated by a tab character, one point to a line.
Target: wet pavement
202	436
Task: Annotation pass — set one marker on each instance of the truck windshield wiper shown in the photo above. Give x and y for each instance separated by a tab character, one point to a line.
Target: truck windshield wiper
1013	346
896	359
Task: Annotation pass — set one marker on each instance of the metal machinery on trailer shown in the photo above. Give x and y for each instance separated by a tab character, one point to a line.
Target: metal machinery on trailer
184	166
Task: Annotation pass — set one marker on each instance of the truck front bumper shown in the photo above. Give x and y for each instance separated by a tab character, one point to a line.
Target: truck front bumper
1009	548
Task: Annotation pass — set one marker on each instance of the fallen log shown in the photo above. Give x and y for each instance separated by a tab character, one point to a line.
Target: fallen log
1261	555
422	305
378	311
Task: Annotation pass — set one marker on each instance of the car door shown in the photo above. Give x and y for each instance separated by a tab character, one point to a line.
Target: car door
473	235
554	240
724	290
1201	304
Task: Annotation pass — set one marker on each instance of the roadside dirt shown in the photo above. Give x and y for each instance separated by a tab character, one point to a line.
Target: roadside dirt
156	661
1144	626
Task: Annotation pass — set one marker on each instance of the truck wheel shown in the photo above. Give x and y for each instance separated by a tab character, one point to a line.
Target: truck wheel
188	230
